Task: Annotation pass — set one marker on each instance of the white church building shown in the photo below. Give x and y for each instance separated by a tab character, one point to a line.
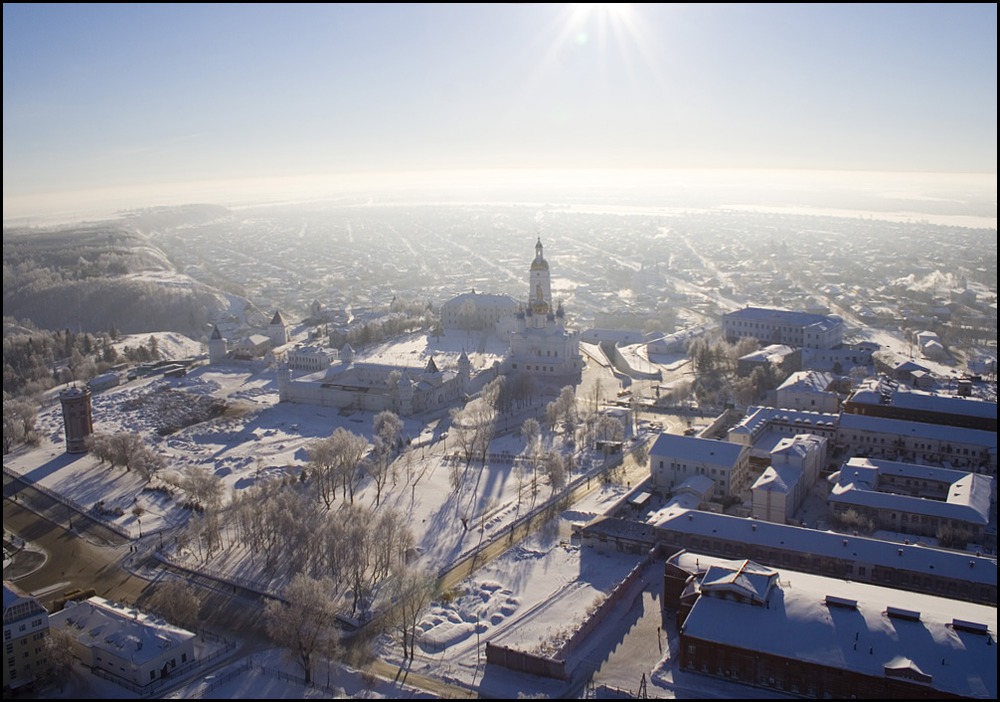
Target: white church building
540	342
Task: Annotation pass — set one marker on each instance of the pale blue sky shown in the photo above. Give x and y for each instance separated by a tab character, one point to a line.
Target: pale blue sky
105	96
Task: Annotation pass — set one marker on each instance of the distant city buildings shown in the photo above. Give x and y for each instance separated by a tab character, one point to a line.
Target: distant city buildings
479	311
540	344
764	427
918	442
872	436
252	346
374	387
217	349
310	358
277	330
785	359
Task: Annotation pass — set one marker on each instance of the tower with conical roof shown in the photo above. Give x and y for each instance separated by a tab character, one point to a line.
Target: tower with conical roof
216	347
278	330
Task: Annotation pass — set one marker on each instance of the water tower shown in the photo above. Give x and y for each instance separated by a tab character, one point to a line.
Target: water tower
77	419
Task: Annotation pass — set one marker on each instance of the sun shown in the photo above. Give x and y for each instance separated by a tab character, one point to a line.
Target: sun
601	10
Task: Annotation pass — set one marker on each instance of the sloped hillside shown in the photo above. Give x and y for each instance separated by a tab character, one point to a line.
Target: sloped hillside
97	277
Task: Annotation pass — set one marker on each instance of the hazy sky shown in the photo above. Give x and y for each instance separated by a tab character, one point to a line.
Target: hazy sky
105	96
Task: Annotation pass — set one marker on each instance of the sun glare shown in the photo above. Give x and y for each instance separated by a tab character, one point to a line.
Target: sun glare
583	10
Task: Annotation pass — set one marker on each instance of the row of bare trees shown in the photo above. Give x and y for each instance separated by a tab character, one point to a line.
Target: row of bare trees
125	449
304	620
342	459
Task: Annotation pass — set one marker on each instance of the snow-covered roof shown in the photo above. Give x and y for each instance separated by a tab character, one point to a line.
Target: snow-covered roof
968	495
794	449
780	480
880	392
773	353
905	428
483	299
691	448
255	340
904	470
784	317
698	485
910	366
807	381
12	596
759	418
857	627
755	532
746	580
121	630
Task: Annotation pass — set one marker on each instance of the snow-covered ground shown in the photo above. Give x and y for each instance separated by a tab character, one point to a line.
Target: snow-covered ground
170	344
533	597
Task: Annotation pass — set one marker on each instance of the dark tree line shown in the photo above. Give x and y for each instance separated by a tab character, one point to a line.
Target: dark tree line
35	360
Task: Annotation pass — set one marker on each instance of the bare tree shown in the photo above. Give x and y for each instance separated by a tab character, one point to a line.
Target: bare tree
474	426
321	468
59	654
126	449
304	622
531	430
411	592
18	423
640	454
555	470
357	556
495	395
175	601
464	432
387	425
334	462
388	432
608	432
562	410
391	544
203	487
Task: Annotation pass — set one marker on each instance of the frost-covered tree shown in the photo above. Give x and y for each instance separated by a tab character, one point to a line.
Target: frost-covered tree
555	470
304	622
59	654
411	590
19	418
176	601
334	462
